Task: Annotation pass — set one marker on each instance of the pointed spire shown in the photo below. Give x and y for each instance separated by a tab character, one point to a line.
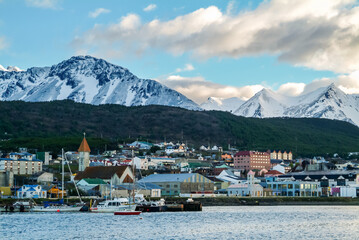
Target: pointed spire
84	147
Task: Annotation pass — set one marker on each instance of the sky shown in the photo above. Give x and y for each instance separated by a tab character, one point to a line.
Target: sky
202	48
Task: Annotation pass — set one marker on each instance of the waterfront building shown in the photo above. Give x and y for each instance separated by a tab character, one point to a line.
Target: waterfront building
175	184
250	188
31	191
290	188
249	160
55	192
110	174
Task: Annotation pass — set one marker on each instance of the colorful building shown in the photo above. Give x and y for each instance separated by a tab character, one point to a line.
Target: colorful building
249	160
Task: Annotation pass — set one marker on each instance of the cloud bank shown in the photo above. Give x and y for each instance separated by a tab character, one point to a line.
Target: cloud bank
322	35
199	90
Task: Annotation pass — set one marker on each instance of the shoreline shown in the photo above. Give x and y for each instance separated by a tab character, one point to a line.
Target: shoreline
234	201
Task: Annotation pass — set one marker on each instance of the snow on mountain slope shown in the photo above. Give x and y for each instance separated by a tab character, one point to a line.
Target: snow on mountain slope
222	104
328	102
88	80
265	103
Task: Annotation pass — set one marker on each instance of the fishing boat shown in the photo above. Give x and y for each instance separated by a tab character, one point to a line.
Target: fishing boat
59	206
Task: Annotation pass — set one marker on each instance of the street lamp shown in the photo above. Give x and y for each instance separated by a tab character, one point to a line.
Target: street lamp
2	193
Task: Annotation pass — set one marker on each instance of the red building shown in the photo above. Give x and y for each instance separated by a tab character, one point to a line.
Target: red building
249	160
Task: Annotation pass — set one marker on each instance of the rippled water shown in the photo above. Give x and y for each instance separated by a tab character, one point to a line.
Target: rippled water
242	222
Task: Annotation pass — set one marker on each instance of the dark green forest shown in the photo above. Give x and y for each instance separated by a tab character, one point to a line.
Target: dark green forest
52	125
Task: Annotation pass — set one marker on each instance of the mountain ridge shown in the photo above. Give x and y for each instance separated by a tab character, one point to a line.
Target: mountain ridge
88	79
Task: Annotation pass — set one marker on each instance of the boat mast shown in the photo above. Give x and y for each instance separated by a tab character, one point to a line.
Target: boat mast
62	177
134	177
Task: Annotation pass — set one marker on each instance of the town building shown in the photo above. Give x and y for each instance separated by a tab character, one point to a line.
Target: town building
45	178
290	188
110	174
281	155
249	160
176	184
21	166
31	191
84	155
249	188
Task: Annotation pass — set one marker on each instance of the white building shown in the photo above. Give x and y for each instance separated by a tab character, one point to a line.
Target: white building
31	191
21	166
250	188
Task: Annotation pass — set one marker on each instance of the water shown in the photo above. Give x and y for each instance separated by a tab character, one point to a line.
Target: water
242	222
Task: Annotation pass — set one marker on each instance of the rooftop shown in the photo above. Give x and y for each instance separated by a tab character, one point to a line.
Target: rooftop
84	147
179	177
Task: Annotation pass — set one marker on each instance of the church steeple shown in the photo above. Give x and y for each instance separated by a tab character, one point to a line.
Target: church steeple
84	147
84	154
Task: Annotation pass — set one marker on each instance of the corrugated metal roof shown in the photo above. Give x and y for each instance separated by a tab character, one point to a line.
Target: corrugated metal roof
180	177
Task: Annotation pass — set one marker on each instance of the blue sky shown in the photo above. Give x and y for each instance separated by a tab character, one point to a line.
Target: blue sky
201	48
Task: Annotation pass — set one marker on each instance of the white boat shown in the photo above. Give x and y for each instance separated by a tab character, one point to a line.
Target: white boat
113	205
61	208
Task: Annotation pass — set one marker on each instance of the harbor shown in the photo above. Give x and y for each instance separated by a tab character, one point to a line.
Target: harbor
230	222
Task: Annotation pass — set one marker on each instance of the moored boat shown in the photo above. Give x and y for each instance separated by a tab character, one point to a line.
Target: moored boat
127	213
113	205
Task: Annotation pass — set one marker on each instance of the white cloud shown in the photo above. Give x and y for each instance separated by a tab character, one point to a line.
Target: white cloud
321	35
98	12
291	89
150	7
187	67
52	4
198	89
3	43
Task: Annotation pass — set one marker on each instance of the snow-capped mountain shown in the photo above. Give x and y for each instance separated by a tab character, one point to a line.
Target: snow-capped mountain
328	102
222	104
88	80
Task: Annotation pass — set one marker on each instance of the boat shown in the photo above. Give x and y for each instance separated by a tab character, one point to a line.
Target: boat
113	205
152	206
127	213
131	210
59	206
19	206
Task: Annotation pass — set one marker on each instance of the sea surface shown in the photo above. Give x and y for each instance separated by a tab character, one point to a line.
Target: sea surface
240	222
